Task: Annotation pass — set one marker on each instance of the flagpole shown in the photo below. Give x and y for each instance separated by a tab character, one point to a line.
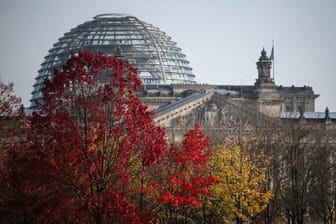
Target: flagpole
273	60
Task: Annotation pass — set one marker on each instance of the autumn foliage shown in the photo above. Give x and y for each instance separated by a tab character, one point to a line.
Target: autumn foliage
241	192
92	151
77	161
9	103
10	112
184	180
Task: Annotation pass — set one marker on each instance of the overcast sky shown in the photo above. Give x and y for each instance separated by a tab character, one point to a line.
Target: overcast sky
222	39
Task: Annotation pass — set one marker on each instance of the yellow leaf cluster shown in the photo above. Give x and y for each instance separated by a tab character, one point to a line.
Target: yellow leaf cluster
241	191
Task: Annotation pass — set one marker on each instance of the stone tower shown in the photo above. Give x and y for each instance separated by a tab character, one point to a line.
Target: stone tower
264	66
268	100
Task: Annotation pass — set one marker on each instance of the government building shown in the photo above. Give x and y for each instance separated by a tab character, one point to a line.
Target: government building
169	86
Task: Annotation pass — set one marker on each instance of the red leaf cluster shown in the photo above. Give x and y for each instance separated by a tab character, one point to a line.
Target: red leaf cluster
186	178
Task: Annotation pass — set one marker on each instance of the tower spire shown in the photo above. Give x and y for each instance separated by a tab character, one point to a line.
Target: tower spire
264	66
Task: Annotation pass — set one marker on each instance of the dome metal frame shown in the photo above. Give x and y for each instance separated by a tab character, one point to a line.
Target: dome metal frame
157	57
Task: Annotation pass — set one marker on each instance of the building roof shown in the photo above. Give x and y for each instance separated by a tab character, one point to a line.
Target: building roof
308	115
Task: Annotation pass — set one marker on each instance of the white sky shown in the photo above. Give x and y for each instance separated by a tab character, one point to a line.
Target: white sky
222	39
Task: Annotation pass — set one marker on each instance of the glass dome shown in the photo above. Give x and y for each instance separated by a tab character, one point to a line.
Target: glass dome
158	59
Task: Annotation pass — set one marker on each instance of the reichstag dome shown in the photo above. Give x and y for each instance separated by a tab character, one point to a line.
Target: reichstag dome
158	59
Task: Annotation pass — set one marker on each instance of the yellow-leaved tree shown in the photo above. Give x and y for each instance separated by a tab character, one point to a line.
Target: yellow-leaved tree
241	192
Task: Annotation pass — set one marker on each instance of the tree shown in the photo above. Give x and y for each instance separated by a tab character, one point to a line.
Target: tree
10	110
184	180
11	118
87	139
9	103
323	196
306	172
241	193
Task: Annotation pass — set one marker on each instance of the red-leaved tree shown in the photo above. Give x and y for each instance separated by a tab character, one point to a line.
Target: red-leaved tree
184	179
9	102
11	118
89	139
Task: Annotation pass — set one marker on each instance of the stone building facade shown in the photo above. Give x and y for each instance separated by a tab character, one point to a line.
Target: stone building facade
265	98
